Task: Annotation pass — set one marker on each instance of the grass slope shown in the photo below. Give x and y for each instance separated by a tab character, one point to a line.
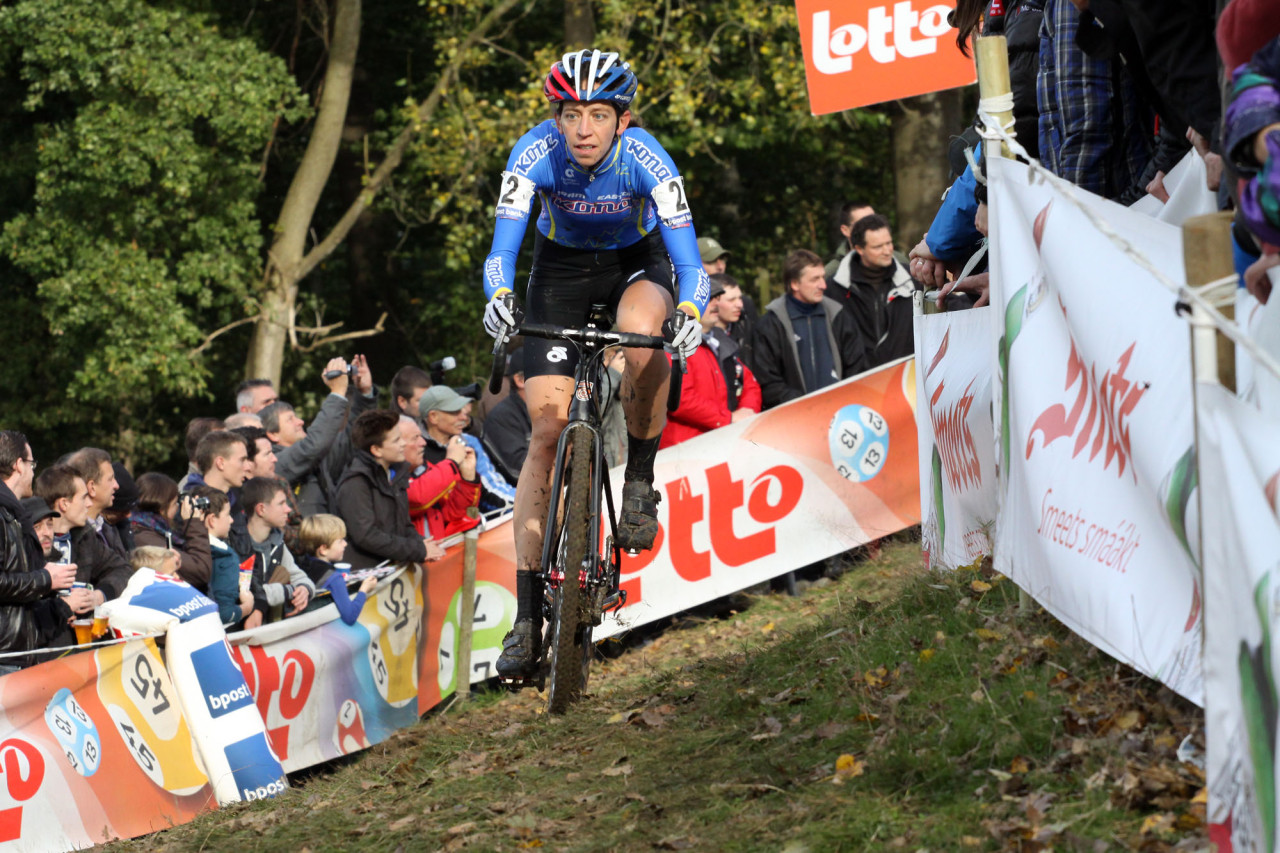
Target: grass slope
891	709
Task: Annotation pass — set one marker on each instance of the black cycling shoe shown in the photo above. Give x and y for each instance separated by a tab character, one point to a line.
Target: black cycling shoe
521	649
638	524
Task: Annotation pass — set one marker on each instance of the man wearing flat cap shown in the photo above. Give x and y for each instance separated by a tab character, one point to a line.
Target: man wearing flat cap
446	414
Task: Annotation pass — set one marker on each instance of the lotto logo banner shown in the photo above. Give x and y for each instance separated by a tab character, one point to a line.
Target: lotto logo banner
1239	465
1094	426
759	498
860	52
958	495
93	747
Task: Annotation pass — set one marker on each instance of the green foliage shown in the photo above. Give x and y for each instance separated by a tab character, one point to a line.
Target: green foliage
141	233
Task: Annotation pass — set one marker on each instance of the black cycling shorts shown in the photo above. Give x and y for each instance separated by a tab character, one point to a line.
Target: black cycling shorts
566	283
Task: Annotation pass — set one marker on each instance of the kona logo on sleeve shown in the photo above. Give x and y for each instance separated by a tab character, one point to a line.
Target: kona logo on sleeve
888	50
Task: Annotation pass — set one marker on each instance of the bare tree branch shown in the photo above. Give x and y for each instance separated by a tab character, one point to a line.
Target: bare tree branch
220	332
363	333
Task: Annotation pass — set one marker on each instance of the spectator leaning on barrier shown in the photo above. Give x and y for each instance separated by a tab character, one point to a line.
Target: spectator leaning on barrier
439	495
64	490
312	460
710	397
877	290
447	414
41	517
254	395
804	341
508	428
153	525
1252	143
278	584
25	578
323	542
373	500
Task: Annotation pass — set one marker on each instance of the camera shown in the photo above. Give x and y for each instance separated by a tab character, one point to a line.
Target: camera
334	374
199	503
438	369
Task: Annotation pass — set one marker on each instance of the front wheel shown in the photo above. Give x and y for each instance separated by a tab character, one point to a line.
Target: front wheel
569	637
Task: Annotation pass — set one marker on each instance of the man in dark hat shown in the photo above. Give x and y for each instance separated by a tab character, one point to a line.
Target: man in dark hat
124	502
41	518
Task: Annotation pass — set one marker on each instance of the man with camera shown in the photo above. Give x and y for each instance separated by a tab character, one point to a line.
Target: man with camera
312	460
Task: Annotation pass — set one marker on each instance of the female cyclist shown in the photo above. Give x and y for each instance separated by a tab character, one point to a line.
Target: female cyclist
613	219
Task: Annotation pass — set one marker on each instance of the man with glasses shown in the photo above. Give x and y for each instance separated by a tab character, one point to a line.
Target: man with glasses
25	579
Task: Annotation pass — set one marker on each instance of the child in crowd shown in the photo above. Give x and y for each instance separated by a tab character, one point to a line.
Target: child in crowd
321	540
163	561
233	603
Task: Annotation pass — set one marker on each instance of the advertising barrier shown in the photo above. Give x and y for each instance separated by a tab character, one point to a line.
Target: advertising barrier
958	494
869	51
114	743
1240	469
1094	427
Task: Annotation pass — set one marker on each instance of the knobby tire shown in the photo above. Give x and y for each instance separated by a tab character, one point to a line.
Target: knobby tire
570	650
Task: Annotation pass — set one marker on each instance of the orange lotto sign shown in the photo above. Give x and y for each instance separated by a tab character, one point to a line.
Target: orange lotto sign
859	52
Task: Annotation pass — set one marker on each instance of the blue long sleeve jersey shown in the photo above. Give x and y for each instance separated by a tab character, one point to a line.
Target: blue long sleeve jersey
633	190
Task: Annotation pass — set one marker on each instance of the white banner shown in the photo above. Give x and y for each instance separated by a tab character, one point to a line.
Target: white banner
1239	469
789	487
1095	426
958	494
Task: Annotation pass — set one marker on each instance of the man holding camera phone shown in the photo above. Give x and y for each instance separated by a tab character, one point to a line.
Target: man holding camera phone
312	460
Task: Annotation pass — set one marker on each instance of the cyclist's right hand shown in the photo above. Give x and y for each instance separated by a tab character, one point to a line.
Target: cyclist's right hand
499	314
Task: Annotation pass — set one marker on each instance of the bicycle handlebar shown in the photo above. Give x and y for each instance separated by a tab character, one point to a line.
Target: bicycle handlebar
588	336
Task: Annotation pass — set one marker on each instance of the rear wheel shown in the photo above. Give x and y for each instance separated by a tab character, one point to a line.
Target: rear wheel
570	634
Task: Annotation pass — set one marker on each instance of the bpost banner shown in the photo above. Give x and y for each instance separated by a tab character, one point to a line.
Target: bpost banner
94	747
958	493
326	688
1239	470
859	52
1095	426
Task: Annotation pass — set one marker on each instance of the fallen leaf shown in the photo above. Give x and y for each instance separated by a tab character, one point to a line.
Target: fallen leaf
980	586
987	634
767	628
620	770
772	728
1019	765
680	842
1129	719
926	655
651	717
623	716
462	828
847	767
971	841
401	823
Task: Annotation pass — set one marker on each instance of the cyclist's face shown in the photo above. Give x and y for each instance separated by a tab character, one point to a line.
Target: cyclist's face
590	129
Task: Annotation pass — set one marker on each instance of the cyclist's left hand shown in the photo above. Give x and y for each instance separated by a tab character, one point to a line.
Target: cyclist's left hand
687	337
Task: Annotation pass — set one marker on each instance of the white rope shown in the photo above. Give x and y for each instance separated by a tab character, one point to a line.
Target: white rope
996	104
1185	294
94	645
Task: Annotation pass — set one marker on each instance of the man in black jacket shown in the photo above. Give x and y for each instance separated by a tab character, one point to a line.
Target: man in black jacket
508	428
25	581
372	500
877	290
804	341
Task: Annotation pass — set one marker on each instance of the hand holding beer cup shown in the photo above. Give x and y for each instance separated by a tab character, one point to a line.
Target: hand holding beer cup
63	575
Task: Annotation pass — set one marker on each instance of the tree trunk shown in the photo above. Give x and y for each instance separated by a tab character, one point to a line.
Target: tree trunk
579	24
922	129
266	352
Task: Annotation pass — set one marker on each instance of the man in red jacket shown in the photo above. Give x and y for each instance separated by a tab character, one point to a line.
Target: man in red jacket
718	388
441	494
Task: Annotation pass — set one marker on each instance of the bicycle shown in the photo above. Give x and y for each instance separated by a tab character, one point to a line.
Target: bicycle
572	543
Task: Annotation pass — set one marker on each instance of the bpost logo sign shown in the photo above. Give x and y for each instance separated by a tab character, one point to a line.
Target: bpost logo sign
869	51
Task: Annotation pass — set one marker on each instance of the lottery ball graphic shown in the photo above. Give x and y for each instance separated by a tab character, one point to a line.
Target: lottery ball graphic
350	735
75	732
859	442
